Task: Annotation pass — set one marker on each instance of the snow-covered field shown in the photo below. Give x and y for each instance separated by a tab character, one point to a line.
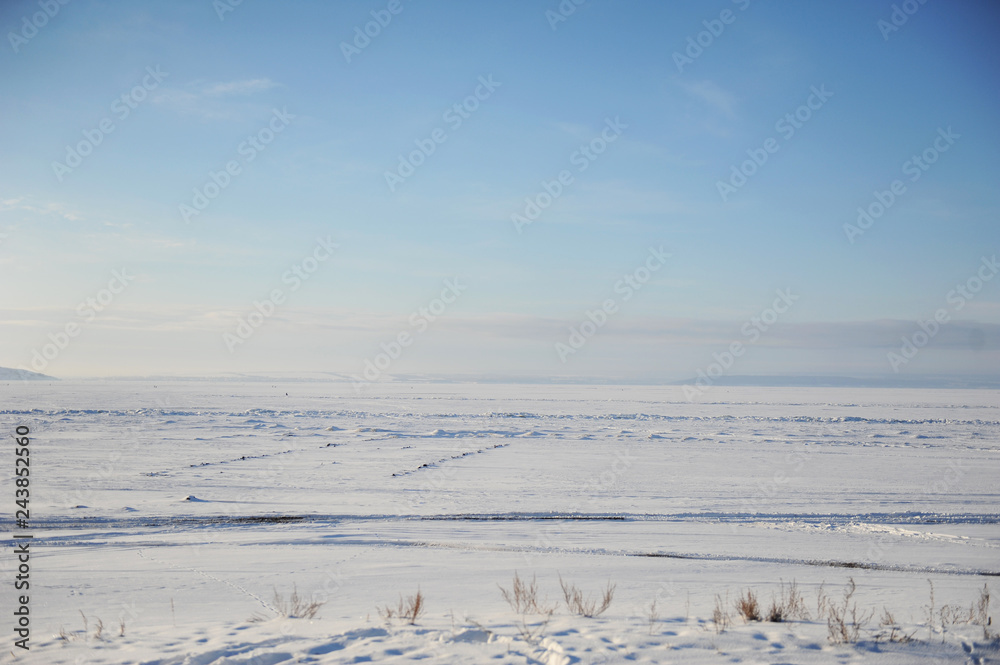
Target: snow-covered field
177	510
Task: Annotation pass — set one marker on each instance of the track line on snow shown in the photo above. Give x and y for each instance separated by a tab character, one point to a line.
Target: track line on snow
746	519
688	555
431	465
211	577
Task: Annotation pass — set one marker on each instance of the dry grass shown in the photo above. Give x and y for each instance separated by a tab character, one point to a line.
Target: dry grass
929	610
982	614
523	599
408	610
85	633
652	615
776	613
977	614
889	629
720	617
844	622
822	601
954	615
789	606
748	607
294	607
532	633
586	606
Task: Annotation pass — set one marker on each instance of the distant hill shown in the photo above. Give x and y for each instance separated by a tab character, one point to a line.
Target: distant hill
902	381
11	374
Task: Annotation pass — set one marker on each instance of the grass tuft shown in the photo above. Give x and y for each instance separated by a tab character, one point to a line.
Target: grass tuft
408	610
982	616
523	599
294	607
720	616
586	606
748	607
844	622
653	616
789	606
889	629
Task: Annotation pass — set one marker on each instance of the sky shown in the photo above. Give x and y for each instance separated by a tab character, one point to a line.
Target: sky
581	190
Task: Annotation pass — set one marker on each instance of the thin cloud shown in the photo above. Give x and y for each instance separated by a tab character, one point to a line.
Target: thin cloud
213	101
712	96
50	208
247	87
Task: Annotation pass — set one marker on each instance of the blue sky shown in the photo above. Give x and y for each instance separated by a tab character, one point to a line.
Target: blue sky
554	87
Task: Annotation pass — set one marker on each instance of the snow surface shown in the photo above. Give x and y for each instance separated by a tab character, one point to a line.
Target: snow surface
181	507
